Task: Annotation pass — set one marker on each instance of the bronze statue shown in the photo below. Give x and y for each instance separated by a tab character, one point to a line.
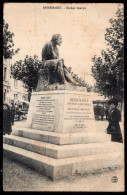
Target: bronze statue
54	75
50	58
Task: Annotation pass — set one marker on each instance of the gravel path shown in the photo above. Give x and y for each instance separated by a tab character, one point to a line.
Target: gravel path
17	177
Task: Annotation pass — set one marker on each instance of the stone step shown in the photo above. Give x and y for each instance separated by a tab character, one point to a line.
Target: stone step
59	138
58	168
59	152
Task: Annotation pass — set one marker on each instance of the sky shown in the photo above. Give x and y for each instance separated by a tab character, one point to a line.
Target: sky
82	30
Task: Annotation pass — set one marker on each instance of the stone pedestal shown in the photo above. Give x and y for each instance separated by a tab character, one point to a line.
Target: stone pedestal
61	111
60	138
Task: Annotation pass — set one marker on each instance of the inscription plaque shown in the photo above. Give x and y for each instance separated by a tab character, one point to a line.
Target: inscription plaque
44	114
62	111
78	113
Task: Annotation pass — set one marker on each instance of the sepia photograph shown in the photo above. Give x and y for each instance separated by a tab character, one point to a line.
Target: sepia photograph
63	97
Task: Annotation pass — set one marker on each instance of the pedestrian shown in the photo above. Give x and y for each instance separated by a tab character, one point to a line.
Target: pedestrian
7	128
114	118
96	111
12	113
19	112
102	112
119	108
106	112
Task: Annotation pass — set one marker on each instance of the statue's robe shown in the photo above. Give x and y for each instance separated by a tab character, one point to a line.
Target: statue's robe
50	59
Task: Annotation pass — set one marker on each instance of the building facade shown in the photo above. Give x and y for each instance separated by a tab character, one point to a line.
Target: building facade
13	90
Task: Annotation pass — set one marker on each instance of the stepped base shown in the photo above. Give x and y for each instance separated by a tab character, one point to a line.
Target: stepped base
59	138
58	155
63	151
58	168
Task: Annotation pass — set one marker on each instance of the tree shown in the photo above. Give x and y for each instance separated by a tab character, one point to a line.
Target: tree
108	69
27	71
8	43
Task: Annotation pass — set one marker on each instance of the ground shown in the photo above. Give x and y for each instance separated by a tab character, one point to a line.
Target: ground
17	177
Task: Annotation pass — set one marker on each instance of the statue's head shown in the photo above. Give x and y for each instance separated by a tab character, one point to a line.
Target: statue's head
57	39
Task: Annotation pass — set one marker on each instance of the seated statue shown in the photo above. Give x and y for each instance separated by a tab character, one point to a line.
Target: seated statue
58	74
50	57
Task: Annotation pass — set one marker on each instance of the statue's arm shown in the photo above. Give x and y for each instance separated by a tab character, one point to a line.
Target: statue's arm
55	56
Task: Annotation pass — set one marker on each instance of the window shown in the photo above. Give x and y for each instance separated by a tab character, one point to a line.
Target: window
15	97
4	95
5	73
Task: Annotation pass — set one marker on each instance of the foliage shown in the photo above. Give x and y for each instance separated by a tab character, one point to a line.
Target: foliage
27	71
108	69
80	80
8	43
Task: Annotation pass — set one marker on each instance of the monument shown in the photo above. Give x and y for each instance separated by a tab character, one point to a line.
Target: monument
60	138
60	104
